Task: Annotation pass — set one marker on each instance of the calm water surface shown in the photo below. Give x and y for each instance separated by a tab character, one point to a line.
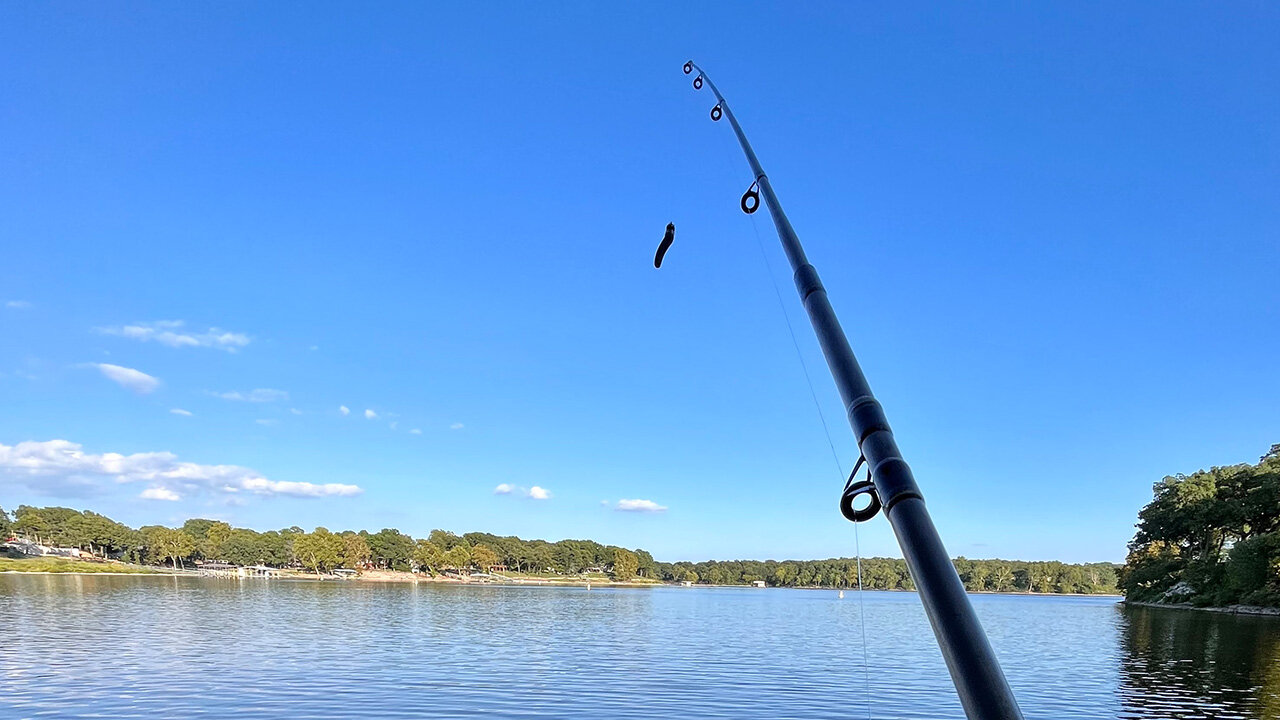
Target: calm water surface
133	647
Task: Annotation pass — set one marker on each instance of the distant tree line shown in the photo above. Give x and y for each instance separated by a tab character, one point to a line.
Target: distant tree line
322	550
1210	538
892	574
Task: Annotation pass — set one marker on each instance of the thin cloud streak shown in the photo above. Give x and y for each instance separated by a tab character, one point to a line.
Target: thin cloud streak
640	506
172	334
259	395
128	378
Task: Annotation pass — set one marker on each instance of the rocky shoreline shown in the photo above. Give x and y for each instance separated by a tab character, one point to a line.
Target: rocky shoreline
1228	610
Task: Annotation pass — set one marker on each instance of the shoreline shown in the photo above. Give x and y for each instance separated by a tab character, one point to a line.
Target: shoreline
1253	610
395	576
92	574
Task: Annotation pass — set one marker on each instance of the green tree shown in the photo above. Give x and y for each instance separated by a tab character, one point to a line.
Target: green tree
427	556
198	529
390	548
214	536
355	551
6	526
31	525
536	556
625	565
444	539
1191	530
457	557
169	544
483	557
318	550
1002	578
244	547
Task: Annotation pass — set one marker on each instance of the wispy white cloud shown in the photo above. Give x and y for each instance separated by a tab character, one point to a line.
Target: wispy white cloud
159	493
295	411
63	468
134	380
260	395
370	415
173	334
415	431
344	410
642	506
263	486
504	489
457	426
180	411
539	493
268	422
17	304
393	424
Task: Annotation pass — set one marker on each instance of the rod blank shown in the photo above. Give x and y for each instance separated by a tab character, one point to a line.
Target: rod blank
975	671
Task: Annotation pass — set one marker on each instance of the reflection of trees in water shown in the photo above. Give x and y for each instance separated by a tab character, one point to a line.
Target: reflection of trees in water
1185	663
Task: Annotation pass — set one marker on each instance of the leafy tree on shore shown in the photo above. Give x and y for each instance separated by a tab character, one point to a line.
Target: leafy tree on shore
390	549
483	557
243	547
355	551
427	556
197	529
6	527
1212	537
31	524
457	557
169	544
625	564
214	538
318	550
444	539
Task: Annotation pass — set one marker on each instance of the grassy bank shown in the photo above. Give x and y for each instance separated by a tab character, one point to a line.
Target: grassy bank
66	565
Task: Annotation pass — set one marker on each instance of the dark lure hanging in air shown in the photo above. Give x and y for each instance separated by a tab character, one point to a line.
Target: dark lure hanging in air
979	681
665	245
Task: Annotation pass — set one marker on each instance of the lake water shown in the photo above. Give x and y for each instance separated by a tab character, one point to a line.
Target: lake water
157	647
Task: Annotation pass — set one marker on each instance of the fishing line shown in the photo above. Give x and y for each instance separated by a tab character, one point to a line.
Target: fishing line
857	542
799	355
835	455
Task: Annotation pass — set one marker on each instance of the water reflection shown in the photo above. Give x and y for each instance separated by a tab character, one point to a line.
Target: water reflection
1191	664
157	647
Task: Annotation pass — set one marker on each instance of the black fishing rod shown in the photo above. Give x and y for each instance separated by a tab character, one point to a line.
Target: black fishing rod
979	681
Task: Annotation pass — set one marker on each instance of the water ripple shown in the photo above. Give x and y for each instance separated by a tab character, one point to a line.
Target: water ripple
137	647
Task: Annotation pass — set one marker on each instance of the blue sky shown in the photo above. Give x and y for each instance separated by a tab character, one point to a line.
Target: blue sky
1051	233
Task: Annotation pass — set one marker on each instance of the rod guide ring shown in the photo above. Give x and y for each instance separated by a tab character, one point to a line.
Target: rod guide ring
853	489
750	199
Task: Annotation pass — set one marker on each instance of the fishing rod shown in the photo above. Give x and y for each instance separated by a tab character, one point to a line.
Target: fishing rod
984	692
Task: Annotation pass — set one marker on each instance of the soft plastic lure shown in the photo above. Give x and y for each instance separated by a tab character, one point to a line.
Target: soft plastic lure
665	245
